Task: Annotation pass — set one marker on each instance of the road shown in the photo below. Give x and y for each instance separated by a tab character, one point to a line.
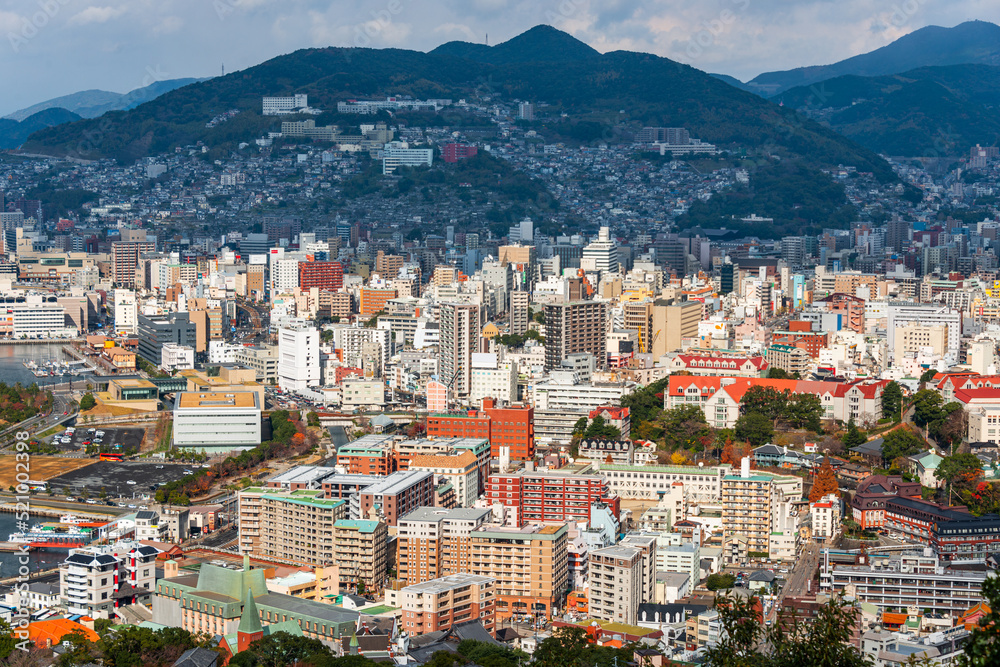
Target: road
62	402
804	571
44	502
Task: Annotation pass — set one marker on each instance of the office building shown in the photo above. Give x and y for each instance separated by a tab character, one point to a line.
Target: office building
435	542
155	331
217	421
574	327
460	327
529	564
398	154
298	358
322	275
278	106
601	255
125	312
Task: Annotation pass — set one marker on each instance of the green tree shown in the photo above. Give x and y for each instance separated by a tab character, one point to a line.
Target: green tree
645	403
7	641
282	649
766	401
87	402
580	427
775	373
755	428
892	400
853	437
600	430
569	646
899	442
684	427
958	466
983	646
927	375
719	581
926	407
804	411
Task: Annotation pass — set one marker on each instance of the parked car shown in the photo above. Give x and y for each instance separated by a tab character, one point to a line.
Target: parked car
70	499
131	482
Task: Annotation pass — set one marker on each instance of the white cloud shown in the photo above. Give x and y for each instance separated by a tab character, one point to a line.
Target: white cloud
97	15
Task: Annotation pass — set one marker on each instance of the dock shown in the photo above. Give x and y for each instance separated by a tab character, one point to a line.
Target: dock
12	547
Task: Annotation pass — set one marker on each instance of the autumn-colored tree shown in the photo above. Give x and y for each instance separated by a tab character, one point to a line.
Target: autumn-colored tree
825	484
677	458
728	453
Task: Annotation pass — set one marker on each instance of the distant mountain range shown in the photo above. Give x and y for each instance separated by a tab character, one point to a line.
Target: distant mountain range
13	133
93	103
922	112
972	42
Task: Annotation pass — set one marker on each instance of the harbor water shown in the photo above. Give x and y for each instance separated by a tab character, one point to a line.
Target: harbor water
40	559
13	358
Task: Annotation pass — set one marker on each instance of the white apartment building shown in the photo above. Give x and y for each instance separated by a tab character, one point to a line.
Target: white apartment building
284	276
221	352
398	154
176	357
364	394
277	106
491	379
35	320
903	313
126	312
684	558
352	340
94	580
298	358
825	518
217	421
561	392
616	586
649	482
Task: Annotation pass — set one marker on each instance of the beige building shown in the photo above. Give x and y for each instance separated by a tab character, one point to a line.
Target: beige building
616	575
914	338
529	564
434	542
291	525
671	323
360	548
788	358
459	468
439	604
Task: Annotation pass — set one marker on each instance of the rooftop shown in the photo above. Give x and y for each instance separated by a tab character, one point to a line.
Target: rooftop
236	399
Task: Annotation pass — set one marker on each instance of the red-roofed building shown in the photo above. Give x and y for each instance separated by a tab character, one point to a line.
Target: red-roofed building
618	417
705	364
719	397
811	342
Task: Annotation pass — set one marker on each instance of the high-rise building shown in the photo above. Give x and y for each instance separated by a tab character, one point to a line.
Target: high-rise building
440	604
125	259
291	525
95	580
576	326
298	358
897	234
520	310
727	283
672	323
526	111
324	275
602	254
675	136
530	566
616	575
460	327
434	542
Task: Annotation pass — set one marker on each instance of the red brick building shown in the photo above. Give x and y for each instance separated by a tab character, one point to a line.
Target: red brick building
324	275
456	152
809	341
512	427
549	496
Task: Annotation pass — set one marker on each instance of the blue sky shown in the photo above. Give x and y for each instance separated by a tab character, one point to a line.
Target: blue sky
55	47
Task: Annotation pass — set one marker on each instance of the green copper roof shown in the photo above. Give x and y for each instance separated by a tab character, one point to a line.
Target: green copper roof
250	620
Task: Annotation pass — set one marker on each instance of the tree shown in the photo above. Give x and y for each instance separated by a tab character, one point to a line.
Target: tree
927	375
900	443
732	453
951	428
600	430
87	402
775	373
767	401
983	646
569	646
7	641
281	649
892	400
926	407
755	428
718	581
825	483
853	437
580	427
685	427
804	411
646	402
958	466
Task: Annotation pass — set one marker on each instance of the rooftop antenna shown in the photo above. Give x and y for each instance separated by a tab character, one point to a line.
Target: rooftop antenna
223	69
487	39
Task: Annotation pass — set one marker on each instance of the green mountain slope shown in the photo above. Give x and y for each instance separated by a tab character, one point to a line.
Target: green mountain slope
13	133
927	111
972	42
540	44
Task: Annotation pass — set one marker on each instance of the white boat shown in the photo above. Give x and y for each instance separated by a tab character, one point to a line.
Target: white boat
71	519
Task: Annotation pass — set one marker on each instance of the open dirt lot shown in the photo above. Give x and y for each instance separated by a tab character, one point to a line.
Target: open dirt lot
40	468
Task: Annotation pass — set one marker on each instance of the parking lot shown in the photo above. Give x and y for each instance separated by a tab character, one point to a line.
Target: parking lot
117	439
113	478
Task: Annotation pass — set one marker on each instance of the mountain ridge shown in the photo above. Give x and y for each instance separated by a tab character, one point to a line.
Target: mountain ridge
970	42
95	102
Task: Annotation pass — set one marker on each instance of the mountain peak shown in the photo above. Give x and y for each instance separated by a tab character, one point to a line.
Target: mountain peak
543	43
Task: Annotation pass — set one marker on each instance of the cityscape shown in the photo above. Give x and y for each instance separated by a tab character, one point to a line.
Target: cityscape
509	354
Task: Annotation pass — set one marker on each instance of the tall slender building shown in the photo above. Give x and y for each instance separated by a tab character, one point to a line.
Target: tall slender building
576	326
459	330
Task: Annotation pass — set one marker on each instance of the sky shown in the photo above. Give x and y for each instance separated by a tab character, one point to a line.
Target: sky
50	48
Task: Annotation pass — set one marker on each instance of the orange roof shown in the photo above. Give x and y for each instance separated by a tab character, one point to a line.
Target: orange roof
893	618
48	633
454	461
